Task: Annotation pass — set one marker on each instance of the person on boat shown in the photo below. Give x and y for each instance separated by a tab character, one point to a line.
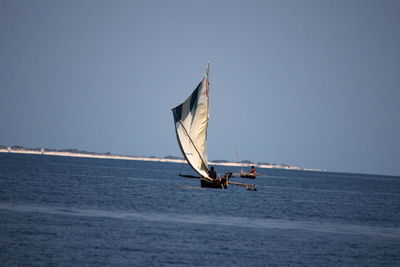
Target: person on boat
212	173
253	170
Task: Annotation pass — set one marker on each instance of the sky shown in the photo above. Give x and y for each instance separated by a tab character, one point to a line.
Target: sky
314	84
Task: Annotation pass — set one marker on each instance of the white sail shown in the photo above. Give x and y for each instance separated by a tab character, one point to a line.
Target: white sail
191	122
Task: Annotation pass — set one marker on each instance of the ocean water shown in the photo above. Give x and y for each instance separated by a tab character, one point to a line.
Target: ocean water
60	211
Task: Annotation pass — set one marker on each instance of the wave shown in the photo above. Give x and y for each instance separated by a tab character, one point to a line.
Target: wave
324	227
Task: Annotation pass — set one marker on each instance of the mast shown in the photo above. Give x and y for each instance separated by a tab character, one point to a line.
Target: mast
208	81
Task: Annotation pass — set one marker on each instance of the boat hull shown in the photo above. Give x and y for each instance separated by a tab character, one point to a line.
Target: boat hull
248	175
218	184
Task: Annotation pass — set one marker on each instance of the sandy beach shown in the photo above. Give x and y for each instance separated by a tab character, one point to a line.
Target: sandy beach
110	156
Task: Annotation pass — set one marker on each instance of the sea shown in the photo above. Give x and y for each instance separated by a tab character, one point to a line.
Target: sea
66	211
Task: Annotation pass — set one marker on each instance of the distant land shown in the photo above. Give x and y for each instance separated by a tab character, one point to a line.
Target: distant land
108	155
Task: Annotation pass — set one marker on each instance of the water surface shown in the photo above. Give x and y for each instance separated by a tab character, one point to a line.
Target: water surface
78	211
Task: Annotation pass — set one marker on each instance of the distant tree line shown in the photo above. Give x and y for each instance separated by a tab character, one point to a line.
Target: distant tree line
69	150
76	151
172	157
220	161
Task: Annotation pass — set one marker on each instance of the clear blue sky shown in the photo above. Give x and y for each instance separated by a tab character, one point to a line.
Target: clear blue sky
308	83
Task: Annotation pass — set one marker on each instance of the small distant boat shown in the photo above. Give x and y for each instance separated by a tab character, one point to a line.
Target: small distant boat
248	175
191	124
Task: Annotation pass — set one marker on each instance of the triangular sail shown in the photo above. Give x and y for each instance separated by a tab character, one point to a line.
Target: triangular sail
191	122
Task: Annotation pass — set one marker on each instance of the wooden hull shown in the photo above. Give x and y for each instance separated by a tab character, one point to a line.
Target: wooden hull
214	184
247	175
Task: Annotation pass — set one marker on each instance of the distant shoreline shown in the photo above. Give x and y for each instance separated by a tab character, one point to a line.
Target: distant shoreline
111	156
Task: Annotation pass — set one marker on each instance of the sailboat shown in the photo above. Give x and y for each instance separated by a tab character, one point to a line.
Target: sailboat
191	124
